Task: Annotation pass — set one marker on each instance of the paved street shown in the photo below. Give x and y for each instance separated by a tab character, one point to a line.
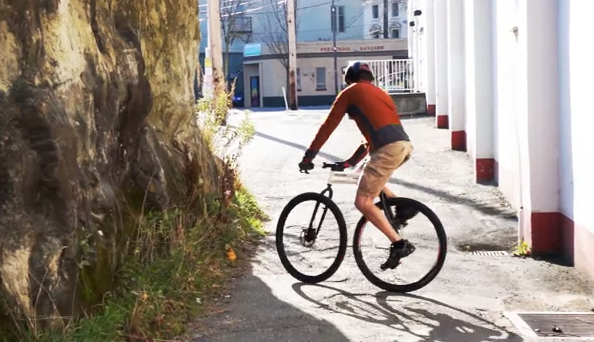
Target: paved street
465	303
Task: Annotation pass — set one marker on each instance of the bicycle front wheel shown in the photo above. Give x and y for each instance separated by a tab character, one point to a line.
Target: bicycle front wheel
424	230
311	230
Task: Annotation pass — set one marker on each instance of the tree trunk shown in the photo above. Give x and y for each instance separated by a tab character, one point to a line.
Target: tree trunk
91	100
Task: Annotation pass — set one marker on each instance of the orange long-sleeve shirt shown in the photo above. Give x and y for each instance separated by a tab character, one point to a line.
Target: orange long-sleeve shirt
373	111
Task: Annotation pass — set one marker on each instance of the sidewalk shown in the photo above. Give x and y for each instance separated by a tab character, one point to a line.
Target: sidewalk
465	303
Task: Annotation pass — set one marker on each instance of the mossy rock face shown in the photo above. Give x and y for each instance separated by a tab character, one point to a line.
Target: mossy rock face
94	97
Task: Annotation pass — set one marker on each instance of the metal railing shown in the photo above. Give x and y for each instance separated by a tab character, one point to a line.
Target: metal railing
393	75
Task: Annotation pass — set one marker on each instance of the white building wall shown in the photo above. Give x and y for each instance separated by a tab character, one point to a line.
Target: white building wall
533	116
371	24
576	115
479	82
456	68
506	79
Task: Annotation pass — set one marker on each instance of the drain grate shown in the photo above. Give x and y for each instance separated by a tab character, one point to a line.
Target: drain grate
490	253
572	325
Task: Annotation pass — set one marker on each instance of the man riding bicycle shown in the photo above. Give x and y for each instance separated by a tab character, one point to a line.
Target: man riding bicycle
387	143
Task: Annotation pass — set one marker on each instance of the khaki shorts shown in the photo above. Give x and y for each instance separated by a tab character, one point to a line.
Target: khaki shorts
382	163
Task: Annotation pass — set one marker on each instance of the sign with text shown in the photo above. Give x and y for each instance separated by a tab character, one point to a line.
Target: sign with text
349	48
252	50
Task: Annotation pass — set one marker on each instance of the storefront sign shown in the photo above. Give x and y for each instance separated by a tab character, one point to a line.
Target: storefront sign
371	48
338	49
250	50
349	49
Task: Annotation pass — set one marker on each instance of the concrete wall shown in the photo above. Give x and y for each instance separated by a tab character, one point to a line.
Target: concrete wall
523	70
410	103
506	82
576	119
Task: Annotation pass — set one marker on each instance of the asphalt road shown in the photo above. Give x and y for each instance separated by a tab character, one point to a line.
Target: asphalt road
465	303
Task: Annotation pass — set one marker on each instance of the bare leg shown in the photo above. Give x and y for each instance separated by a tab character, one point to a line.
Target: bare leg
377	217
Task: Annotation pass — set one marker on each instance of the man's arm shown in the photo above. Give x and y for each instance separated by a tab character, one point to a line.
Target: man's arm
359	153
339	108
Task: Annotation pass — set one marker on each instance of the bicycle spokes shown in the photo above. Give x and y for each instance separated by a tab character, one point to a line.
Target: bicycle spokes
424	230
307	252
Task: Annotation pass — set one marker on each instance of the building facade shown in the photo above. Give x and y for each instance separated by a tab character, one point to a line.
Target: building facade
509	79
265	73
373	19
262	22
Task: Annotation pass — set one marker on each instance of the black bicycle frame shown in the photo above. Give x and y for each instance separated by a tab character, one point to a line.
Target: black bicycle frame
387	211
382	196
330	193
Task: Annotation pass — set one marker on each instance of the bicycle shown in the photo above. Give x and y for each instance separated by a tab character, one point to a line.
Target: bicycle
309	235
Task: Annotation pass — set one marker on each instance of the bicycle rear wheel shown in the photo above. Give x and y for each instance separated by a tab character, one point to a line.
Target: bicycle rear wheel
306	238
371	249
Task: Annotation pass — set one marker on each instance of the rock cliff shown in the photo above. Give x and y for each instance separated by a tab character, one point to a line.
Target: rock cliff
94	97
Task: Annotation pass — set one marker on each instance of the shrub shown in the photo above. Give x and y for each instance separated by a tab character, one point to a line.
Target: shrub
181	255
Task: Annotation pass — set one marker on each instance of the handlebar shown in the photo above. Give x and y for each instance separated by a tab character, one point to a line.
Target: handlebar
333	166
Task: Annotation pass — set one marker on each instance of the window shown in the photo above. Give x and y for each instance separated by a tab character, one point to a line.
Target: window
375	11
395	33
298	79
395	9
375	31
320	78
338	19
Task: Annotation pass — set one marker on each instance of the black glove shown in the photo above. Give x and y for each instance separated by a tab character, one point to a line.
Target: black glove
306	165
340	166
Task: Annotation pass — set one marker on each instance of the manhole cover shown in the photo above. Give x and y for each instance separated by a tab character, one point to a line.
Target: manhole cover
578	325
489	253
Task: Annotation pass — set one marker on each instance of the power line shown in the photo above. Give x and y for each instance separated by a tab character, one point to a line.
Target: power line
279	2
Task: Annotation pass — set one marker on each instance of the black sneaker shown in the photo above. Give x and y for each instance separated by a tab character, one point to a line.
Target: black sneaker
398	250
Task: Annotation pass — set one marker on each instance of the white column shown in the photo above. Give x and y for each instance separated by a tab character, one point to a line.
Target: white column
539	108
456	76
441	63
429	73
479	88
410	33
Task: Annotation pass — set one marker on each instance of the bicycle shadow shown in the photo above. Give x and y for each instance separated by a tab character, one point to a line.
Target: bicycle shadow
408	319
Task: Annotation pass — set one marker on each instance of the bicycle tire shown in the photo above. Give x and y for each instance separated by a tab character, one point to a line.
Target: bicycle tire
424	281
280	227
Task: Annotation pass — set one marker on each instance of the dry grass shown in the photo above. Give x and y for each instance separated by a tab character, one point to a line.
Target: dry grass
181	256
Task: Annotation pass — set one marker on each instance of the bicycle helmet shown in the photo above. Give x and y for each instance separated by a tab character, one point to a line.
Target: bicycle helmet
354	71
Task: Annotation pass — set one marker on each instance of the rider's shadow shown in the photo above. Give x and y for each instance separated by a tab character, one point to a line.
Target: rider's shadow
442	327
356	308
452	329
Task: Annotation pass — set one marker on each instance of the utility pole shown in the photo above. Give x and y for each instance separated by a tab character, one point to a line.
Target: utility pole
334	20
292	41
386	12
215	45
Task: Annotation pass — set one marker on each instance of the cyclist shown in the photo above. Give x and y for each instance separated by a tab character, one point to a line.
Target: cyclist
387	143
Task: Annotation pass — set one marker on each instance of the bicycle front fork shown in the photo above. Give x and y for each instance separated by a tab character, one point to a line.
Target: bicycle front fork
311	233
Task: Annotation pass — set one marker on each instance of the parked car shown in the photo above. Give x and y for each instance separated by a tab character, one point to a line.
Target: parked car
238	99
